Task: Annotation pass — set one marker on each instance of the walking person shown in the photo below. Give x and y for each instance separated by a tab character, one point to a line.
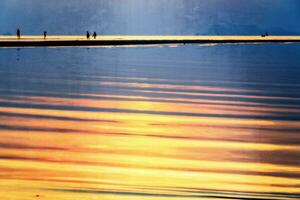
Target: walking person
88	35
95	35
45	35
18	33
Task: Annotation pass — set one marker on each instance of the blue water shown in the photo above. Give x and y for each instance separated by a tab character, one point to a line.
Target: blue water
215	122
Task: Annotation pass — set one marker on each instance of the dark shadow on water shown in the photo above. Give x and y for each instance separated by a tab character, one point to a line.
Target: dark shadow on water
165	195
282	117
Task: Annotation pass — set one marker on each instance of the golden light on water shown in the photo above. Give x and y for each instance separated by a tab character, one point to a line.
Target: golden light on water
133	137
134	152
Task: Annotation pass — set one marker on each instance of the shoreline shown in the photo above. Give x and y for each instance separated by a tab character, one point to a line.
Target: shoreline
56	41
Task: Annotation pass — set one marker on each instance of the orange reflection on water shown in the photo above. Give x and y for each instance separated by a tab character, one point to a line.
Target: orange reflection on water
135	148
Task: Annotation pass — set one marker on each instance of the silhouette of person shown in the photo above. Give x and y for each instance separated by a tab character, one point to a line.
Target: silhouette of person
45	34
94	35
88	35
267	34
18	33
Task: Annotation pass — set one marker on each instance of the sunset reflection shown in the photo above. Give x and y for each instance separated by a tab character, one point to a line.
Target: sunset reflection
127	137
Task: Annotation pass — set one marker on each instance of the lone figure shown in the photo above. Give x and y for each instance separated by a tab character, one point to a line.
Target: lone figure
18	33
45	35
88	35
94	35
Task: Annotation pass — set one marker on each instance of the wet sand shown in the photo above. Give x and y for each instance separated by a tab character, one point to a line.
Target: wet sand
12	41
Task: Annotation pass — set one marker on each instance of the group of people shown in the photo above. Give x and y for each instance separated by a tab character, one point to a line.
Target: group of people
88	35
45	34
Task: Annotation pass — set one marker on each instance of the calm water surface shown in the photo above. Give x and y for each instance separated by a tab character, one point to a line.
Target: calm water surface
186	122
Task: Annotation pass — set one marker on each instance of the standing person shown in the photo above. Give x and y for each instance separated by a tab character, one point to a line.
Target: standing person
45	35
88	35
18	33
95	35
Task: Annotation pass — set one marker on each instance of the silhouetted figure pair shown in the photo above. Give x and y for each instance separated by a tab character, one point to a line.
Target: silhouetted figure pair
88	35
265	35
18	33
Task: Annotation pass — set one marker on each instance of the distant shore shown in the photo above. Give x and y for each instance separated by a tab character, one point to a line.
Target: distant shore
39	41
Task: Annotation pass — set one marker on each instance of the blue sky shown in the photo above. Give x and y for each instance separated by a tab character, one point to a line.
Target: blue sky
241	17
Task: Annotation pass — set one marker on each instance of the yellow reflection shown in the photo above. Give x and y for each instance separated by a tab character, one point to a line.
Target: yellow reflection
44	149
